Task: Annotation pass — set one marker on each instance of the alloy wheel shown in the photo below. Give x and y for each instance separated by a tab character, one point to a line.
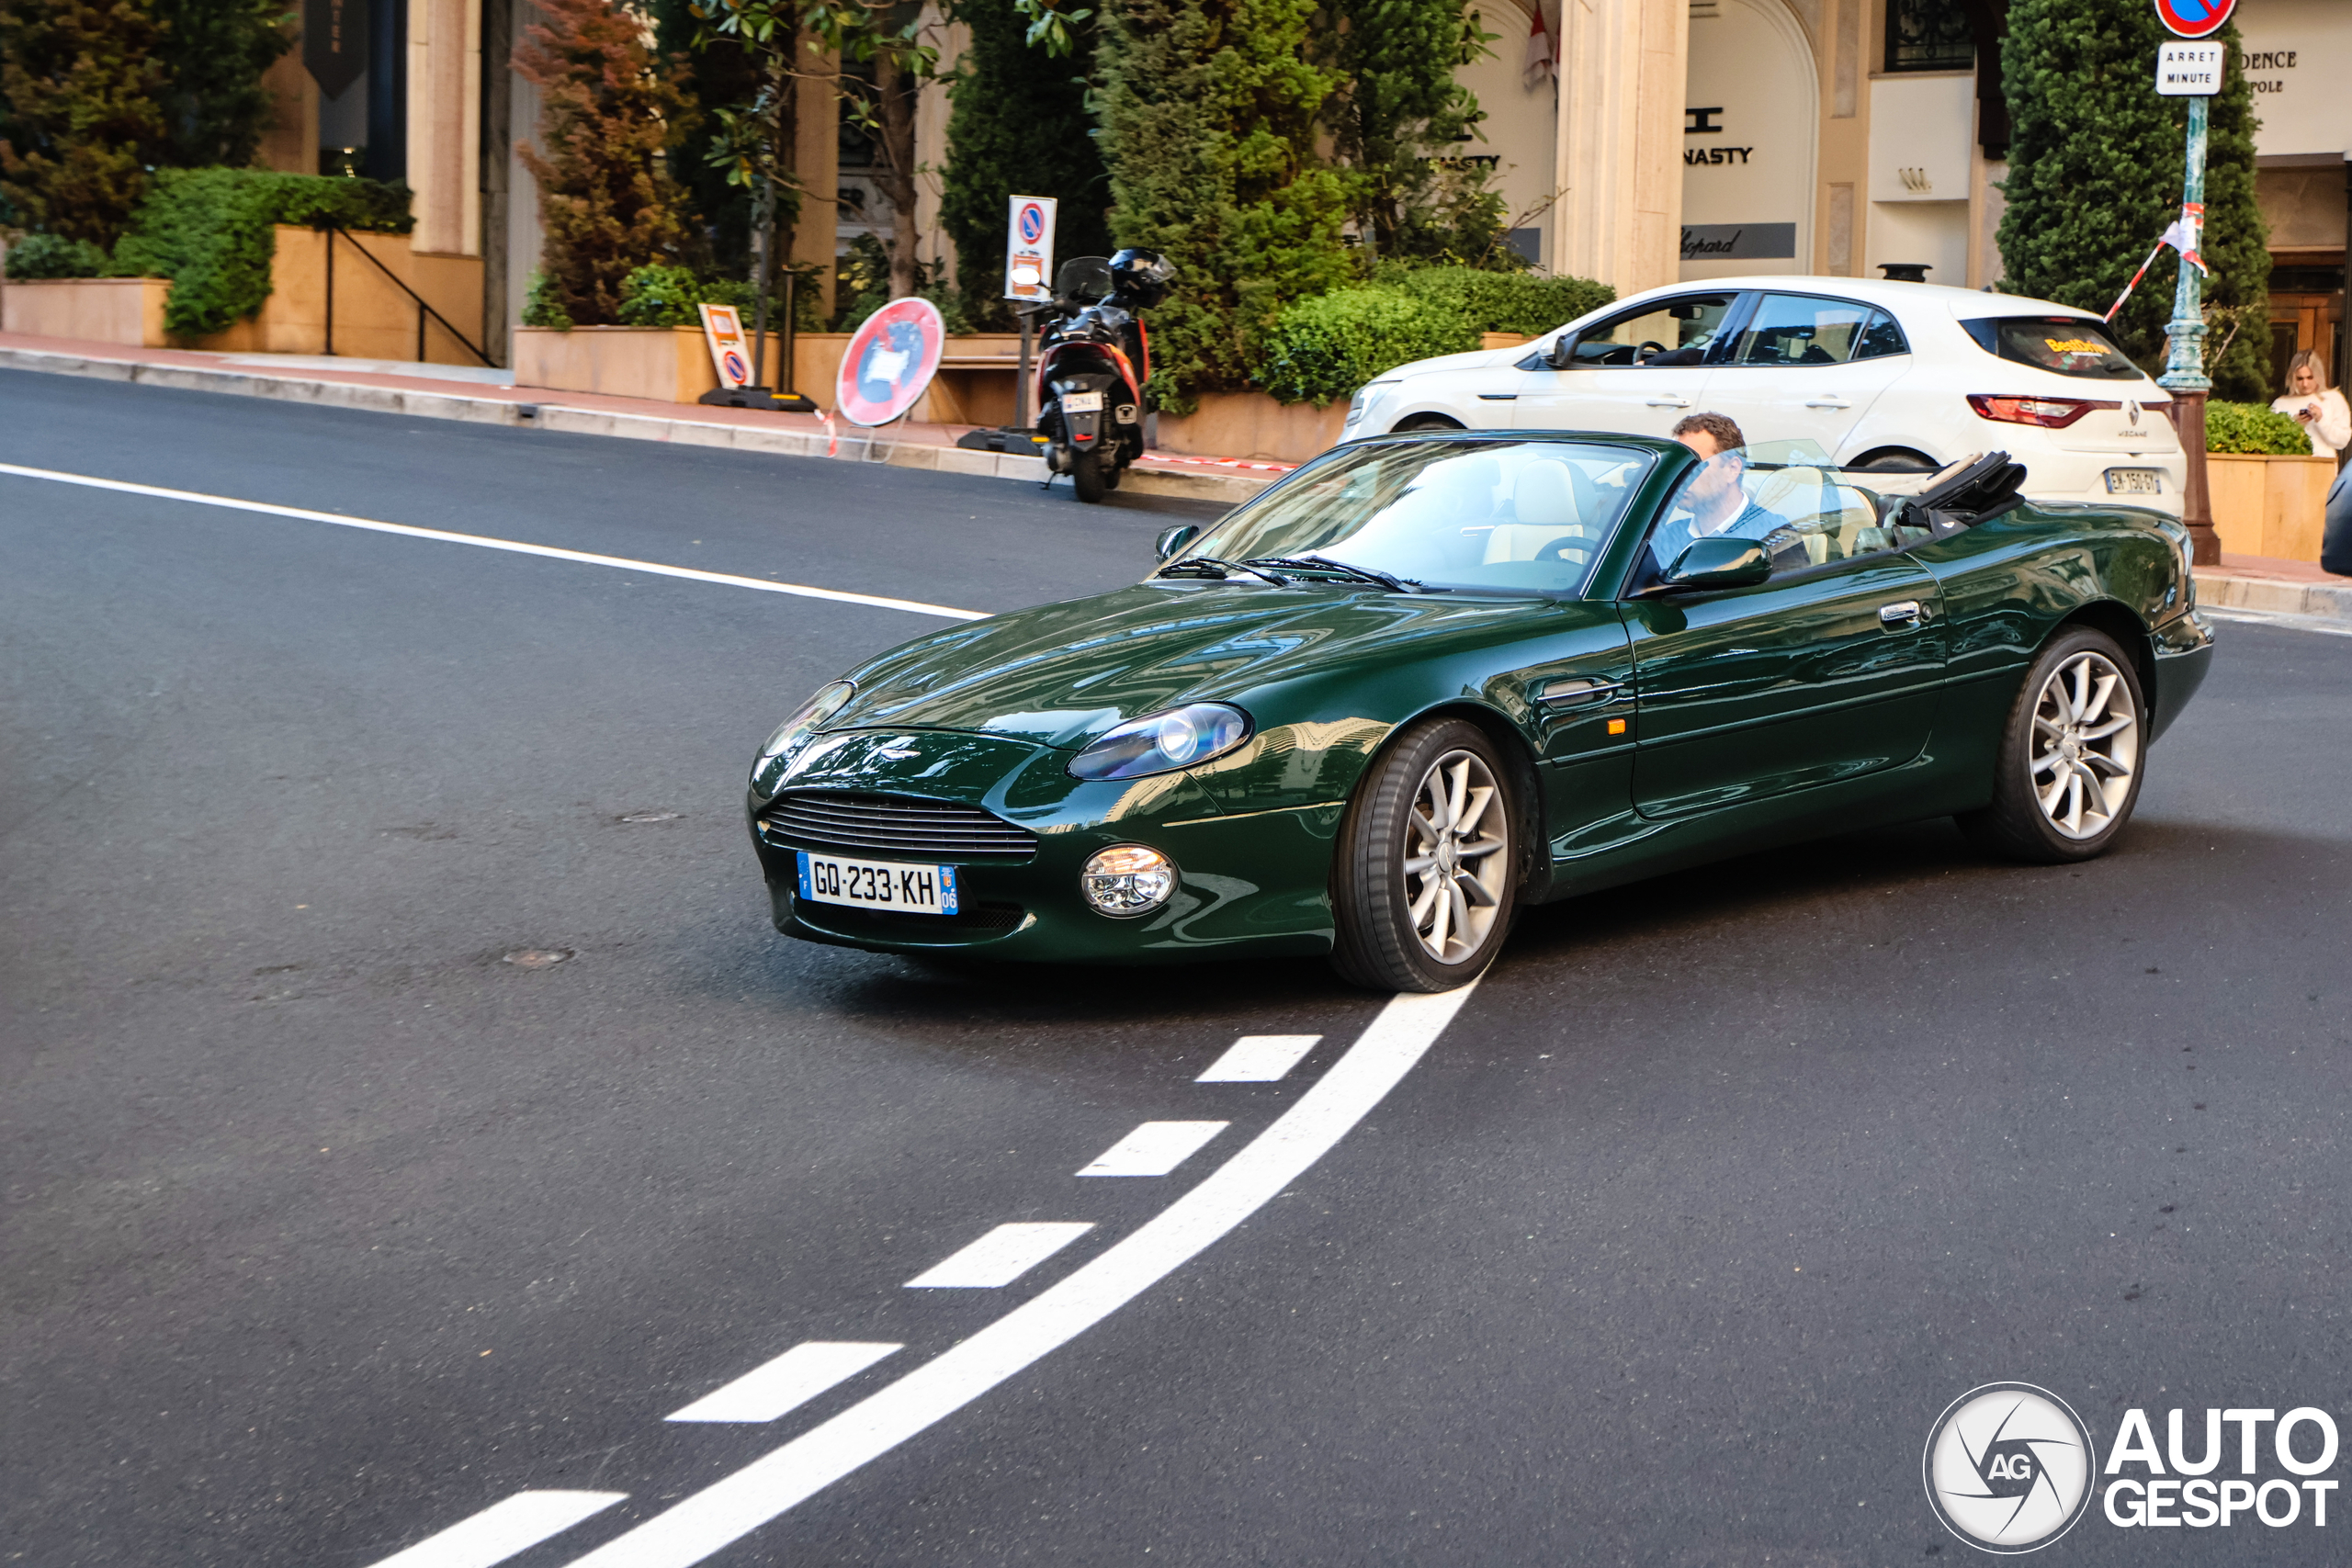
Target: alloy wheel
2086	745
1456	856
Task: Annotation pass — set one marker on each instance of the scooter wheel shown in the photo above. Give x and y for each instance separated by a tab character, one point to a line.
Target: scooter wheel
1086	475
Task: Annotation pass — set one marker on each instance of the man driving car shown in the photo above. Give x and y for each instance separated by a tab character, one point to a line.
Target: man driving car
1712	500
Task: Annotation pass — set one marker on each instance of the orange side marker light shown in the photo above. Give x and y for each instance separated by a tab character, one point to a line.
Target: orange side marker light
1616	726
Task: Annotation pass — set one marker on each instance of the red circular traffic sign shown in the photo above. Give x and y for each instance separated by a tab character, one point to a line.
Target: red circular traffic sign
2194	19
890	360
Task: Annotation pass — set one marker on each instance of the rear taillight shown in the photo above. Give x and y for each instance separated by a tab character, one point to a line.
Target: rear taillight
2049	413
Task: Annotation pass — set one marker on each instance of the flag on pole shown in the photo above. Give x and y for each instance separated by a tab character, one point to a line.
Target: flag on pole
1542	52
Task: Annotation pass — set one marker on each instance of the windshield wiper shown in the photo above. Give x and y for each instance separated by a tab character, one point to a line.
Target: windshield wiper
1217	568
1343	569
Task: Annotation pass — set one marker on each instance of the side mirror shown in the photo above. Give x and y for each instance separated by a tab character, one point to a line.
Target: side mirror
1563	354
1171	541
1720	563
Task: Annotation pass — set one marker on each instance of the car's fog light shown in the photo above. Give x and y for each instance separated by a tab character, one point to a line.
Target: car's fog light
1128	879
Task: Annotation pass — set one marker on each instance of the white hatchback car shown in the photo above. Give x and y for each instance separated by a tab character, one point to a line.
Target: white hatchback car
1890	378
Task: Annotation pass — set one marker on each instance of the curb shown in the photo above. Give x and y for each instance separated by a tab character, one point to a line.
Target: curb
2323	600
1226	489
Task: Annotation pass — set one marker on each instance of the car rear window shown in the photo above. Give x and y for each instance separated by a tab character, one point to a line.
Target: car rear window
2068	345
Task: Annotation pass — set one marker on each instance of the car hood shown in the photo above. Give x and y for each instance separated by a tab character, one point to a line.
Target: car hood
1475	359
1061	674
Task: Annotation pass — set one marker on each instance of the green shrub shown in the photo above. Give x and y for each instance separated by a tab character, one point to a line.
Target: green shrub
2248	427
54	255
543	304
1326	347
1520	302
80	122
213	233
659	296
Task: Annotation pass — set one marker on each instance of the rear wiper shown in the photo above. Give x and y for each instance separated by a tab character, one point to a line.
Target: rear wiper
1342	569
1217	568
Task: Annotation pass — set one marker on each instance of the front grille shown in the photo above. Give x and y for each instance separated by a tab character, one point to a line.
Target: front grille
897	825
979	924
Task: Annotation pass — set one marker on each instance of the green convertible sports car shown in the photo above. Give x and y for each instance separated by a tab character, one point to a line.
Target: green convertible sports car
1427	680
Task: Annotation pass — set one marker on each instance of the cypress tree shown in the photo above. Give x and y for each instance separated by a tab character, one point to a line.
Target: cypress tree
215	109
1019	126
1209	130
1399	118
2095	175
81	79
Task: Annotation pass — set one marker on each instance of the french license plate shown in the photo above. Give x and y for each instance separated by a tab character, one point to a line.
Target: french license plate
2134	481
878	885
1081	402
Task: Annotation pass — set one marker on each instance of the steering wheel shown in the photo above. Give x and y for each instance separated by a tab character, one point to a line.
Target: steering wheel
1563	547
1643	350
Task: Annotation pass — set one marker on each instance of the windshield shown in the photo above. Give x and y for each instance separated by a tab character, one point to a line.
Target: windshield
2070	346
1473	514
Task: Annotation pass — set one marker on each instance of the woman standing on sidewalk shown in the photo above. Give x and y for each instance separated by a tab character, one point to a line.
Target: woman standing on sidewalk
2317	407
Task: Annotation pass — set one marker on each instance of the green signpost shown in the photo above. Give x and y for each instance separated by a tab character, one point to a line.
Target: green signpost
2192	70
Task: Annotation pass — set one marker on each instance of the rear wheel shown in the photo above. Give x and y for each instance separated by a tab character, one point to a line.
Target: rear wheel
2069	768
1086	475
1423	881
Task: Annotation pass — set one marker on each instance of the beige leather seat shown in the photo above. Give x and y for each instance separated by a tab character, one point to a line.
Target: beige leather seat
1544	500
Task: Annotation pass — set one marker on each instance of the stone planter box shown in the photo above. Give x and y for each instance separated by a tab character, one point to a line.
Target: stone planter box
1252	424
2269	506
669	365
127	310
373	320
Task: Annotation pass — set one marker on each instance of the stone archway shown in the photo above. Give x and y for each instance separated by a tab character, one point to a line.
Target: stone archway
1749	160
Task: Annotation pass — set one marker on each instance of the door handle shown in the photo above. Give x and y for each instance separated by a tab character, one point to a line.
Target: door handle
1902	613
1827	403
1576	691
1671	400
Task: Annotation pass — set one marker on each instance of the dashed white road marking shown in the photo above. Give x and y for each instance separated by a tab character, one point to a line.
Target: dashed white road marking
481	541
729	1509
789	1382
1000	1257
1260	1058
1154	1148
503	1528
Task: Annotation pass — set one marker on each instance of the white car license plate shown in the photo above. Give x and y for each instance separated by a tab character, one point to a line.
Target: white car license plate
2134	481
878	885
1081	402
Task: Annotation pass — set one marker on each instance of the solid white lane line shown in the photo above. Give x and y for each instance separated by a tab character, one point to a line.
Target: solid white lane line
789	1382
481	541
1000	1257
503	1528
1154	1148
1260	1058
728	1511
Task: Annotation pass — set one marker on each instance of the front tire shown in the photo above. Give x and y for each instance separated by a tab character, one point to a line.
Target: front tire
1086	475
1424	879
2069	770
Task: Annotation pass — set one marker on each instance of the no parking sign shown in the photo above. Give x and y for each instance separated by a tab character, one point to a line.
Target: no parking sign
2194	19
1029	250
890	360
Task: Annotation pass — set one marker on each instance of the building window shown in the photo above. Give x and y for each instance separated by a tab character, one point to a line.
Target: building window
1929	35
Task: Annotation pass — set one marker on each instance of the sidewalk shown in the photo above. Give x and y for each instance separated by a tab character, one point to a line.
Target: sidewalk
439	391
2262	586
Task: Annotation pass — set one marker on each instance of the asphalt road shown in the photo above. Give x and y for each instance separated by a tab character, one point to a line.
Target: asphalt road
327	1228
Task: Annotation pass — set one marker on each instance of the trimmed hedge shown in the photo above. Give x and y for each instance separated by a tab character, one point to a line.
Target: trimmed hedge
2252	428
54	255
1522	302
1327	346
213	233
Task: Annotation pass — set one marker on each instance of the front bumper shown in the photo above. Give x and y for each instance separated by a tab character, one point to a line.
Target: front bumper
1255	885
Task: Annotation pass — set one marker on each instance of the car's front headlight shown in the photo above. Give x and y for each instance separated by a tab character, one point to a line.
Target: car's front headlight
793	732
1162	742
1367	395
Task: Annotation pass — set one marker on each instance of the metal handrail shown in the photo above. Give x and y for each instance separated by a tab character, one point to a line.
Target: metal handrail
422	310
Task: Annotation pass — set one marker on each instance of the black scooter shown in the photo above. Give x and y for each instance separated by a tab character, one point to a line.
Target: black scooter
1094	360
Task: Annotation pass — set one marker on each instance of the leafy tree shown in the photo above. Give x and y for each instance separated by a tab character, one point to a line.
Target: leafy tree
608	109
82	82
1397	119
215	109
1209	130
2095	175
1020	125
